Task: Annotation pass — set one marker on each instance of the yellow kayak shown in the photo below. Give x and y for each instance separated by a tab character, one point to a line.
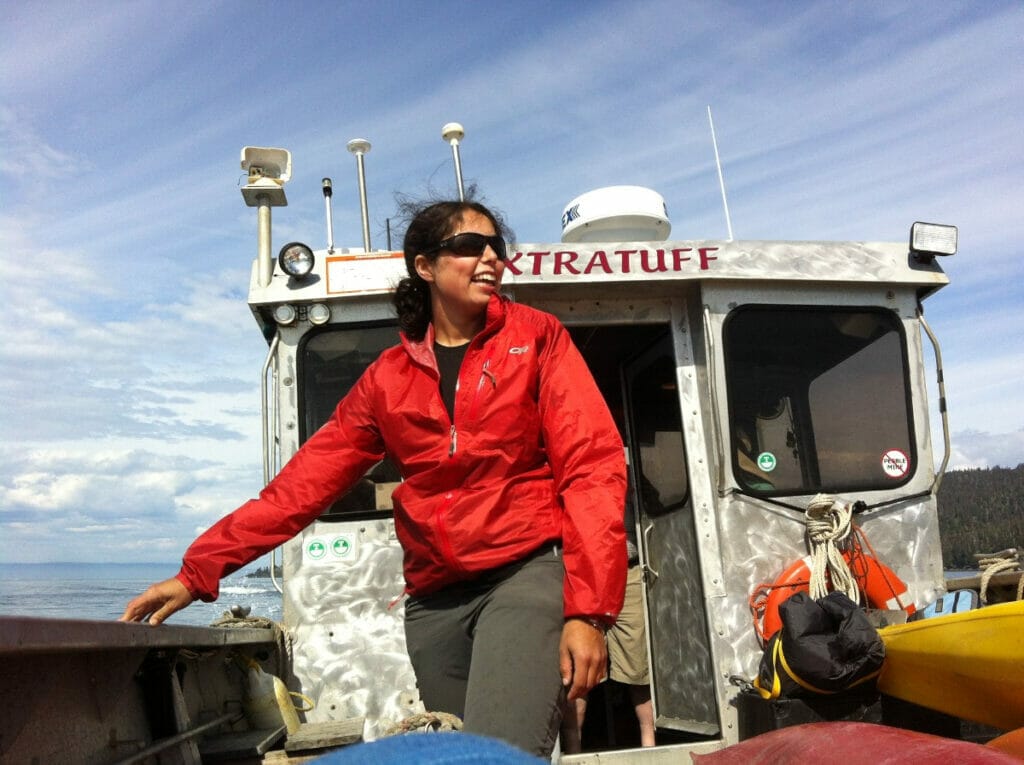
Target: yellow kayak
970	664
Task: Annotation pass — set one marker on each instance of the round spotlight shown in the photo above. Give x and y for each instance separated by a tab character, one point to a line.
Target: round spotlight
296	259
284	314
319	313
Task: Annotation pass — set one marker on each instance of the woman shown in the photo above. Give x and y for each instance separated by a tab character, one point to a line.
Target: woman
510	511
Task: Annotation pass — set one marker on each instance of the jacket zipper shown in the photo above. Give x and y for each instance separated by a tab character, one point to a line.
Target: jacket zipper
452	433
442	536
485	374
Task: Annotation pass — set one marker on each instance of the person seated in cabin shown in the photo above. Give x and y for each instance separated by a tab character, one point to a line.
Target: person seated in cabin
510	513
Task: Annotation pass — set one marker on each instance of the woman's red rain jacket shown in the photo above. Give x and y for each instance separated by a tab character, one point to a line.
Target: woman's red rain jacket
533	456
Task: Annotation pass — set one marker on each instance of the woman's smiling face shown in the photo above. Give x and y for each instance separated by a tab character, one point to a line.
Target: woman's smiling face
461	287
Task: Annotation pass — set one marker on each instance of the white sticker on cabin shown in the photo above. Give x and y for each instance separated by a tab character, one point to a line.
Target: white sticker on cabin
895	463
342	546
315	549
347	274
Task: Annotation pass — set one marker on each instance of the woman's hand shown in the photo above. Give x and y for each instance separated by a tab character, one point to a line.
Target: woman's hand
157	603
583	657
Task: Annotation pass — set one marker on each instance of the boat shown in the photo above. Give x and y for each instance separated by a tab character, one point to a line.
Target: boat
766	387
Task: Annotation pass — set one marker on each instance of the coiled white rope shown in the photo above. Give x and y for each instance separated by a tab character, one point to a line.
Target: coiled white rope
992	563
829	523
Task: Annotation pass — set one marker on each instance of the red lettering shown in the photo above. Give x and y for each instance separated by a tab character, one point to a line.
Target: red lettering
565	259
678	259
511	263
538	258
564	262
599	260
625	258
658	266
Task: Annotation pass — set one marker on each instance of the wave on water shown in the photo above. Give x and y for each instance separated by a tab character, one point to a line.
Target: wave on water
245	589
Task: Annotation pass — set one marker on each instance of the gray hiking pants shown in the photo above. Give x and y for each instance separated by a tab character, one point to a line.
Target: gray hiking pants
487	651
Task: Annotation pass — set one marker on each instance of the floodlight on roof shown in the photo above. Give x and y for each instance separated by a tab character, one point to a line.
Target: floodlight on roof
930	239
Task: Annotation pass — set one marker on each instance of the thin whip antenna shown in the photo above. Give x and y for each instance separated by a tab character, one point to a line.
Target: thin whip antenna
328	192
721	179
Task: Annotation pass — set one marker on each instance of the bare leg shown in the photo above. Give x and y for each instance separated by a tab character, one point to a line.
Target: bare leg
640	695
572	726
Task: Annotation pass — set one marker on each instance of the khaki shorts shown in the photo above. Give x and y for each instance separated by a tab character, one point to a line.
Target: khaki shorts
627	640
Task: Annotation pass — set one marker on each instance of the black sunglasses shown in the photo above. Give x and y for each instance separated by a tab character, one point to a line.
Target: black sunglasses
471	245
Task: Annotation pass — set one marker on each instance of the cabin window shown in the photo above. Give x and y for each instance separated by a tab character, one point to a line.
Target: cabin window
658	431
818	399
330	362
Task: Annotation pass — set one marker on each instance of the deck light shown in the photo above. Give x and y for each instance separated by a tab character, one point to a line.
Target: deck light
285	314
296	260
319	313
930	239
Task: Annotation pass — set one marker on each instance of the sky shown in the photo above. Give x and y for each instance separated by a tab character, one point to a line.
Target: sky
131	363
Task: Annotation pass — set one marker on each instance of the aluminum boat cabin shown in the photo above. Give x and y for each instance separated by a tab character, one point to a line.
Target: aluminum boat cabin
749	377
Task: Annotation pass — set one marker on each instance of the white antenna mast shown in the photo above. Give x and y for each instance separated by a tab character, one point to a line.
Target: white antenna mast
359	147
721	180
453	133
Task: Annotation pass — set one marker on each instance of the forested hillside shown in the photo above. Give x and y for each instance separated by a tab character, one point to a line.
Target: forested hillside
980	510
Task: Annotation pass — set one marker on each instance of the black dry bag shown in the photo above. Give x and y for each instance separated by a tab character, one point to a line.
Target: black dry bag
824	646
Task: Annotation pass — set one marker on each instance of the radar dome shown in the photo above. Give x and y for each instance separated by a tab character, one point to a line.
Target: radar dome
616	214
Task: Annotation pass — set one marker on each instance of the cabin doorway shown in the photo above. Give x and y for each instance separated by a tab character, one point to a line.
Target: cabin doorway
682	675
635	368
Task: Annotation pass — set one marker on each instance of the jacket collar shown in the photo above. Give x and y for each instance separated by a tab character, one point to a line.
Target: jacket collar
422	351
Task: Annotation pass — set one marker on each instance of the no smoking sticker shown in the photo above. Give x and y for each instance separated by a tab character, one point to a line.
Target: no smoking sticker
895	463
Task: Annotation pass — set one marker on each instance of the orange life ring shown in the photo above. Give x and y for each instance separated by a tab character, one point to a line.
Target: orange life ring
881	588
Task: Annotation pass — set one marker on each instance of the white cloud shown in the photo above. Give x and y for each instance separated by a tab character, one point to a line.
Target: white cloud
96	501
28	156
974	449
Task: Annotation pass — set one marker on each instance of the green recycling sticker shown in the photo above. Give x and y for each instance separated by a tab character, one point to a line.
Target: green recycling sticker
341	547
326	549
316	549
766	461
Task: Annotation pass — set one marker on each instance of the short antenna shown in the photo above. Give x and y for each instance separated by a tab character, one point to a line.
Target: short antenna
328	192
721	179
453	133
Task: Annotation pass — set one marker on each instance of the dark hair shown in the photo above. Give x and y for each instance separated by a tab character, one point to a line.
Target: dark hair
429	224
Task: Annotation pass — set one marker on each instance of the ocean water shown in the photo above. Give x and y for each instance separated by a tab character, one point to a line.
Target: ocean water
102	590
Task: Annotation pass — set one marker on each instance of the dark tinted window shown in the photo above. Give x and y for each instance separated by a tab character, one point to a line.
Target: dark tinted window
330	362
818	399
657	429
